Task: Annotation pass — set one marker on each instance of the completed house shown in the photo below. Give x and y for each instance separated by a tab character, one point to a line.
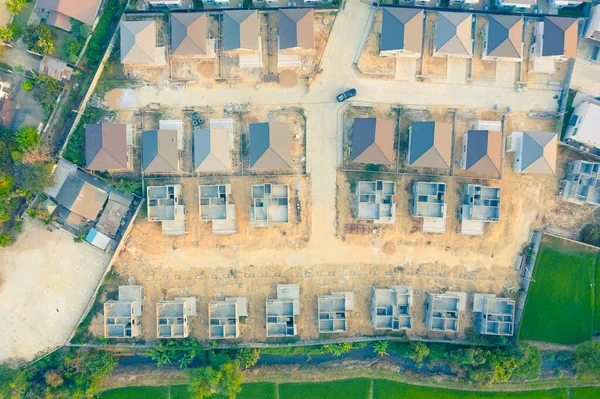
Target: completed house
453	35
583	125
535	152
555	38
503	38
567	3
402	32
270	145
373	141
189	35
83	196
211	150
516	5
138	44
592	25
60	12
241	30
107	146
430	145
482	152
160	152
296	28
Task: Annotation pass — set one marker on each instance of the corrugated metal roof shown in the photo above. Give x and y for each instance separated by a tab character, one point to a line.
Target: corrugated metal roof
159	151
538	154
138	42
373	141
296	28
106	146
240	30
402	29
430	145
484	151
81	197
453	34
560	37
270	145
188	34
505	36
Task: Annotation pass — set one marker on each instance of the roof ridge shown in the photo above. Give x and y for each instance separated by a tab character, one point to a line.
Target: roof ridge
276	153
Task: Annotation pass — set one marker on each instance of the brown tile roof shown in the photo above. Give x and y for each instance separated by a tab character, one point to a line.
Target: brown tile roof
188	34
106	146
8	110
81	10
539	152
296	28
430	145
373	141
484	151
138	42
270	145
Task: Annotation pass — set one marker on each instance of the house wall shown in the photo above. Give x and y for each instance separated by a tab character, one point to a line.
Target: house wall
463	159
564	4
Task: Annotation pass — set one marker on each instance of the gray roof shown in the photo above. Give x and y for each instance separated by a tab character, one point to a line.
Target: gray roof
106	146
159	151
373	141
430	145
211	150
560	37
188	33
402	29
538	154
138	42
270	145
83	195
484	151
240	29
296	28
505	36
453	33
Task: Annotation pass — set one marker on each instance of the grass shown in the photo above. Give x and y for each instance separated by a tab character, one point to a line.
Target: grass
585	393
384	389
23	17
560	303
136	393
358	388
597	299
568	112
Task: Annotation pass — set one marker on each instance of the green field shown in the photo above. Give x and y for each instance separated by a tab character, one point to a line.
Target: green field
597	286
249	391
136	393
385	389
560	303
358	388
585	393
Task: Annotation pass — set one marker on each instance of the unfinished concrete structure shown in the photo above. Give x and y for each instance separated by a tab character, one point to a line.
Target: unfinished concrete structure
215	207
391	308
165	205
172	317
442	311
481	205
495	316
122	317
581	184
375	201
269	204
332	311
282	311
224	317
429	203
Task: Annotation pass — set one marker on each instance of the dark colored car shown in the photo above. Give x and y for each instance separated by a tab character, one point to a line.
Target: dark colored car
346	95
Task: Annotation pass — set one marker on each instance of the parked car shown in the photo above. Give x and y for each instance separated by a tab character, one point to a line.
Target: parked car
346	95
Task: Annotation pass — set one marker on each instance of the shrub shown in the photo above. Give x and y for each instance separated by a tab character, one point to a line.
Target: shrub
587	360
39	39
15	6
590	234
27	85
8	32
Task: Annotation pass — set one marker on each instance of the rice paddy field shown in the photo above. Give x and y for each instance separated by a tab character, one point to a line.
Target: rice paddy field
561	302
358	388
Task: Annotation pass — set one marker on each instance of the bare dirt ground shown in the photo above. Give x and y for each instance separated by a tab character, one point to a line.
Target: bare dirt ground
370	61
432	66
481	69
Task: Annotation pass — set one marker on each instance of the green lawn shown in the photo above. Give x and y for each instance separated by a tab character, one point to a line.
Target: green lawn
358	388
585	393
136	393
560	303
385	389
597	303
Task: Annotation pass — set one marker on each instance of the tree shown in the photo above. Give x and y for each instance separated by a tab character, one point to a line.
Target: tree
380	348
587	360
248	357
15	6
27	137
35	177
207	381
248	4
38	38
73	48
79	29
590	234
419	352
8	32
27	85
41	153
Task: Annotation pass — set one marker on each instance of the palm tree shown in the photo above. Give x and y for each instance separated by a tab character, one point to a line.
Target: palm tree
380	347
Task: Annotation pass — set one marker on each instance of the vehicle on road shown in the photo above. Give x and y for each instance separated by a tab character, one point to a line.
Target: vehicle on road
346	95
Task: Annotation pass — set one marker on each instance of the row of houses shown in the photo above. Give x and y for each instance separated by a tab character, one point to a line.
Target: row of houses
109	147
189	35
523	6
555	38
430	146
391	310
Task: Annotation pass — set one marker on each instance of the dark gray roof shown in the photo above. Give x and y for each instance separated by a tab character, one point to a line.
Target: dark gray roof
430	145
484	151
538	153
555	38
159	151
373	141
270	145
448	38
296	28
505	36
401	29
240	29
